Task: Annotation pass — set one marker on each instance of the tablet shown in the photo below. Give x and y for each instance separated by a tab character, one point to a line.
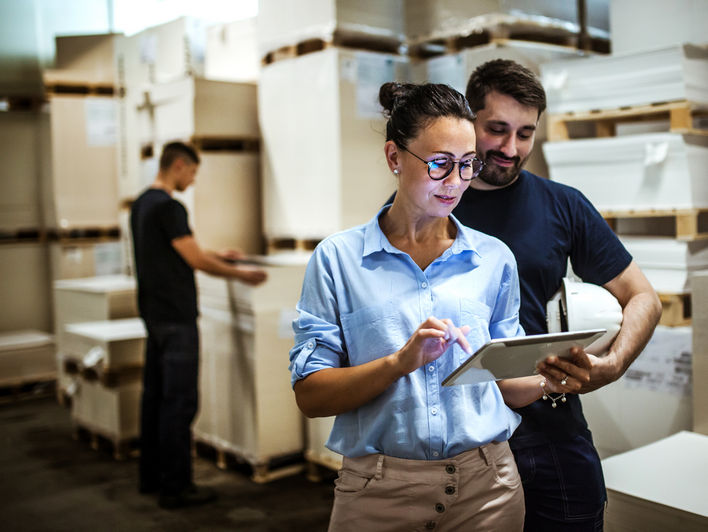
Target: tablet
505	358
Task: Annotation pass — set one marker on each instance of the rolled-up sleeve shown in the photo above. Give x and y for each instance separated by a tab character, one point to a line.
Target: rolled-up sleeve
505	316
318	335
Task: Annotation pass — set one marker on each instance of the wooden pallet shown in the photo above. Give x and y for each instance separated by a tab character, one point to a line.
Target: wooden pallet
261	472
54	88
22	103
341	39
503	29
675	310
690	224
225	144
15	236
84	233
24	388
120	447
320	466
274	245
679	113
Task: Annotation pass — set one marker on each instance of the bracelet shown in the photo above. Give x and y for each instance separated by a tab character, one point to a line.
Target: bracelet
546	396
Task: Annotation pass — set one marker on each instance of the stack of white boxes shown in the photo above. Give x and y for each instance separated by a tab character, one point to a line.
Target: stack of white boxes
26	349
635	170
247	406
100	347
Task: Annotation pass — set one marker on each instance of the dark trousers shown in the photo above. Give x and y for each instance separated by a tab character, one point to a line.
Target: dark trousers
564	488
169	404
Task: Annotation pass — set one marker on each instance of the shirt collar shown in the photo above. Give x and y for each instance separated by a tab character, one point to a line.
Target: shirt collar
375	240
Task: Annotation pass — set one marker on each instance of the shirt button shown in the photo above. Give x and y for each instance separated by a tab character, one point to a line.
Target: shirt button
450	469
310	345
431	368
440	507
430	525
434	411
449	490
435	453
424	284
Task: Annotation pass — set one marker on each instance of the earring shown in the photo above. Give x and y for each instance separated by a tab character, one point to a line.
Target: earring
396	171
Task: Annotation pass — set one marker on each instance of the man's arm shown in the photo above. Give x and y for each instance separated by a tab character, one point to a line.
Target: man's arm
641	311
209	262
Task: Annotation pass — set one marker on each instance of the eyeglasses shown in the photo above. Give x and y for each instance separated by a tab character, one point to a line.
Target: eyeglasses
441	166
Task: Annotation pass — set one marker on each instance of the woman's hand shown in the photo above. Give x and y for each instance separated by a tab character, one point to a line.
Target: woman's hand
430	340
566	375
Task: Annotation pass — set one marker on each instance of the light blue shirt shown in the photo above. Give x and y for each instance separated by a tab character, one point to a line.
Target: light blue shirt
362	299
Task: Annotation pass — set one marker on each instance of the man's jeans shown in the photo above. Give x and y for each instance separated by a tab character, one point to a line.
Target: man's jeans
564	488
169	404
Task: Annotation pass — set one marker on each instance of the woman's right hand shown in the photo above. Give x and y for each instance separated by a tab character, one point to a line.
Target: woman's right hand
430	340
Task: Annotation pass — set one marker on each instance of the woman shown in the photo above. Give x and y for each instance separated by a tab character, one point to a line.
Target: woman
388	310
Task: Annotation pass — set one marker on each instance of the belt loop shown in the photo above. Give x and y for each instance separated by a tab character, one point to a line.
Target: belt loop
484	453
379	467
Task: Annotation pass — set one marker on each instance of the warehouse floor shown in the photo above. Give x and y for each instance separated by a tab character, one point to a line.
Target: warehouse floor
51	481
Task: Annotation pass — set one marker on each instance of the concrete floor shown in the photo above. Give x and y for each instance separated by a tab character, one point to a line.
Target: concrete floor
50	481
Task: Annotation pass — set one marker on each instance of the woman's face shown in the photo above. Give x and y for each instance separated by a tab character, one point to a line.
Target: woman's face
444	137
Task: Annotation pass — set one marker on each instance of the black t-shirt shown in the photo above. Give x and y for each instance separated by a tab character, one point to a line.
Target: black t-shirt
543	223
166	287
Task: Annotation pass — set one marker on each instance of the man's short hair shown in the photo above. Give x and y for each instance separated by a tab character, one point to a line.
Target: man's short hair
177	150
505	77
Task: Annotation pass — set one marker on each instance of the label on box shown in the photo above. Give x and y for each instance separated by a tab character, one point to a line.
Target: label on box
372	71
448	69
101	118
665	364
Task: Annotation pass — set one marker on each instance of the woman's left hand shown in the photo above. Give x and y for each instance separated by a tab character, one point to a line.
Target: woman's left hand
566	375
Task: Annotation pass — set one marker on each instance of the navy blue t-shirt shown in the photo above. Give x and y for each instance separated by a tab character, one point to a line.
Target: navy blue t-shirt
166	289
543	223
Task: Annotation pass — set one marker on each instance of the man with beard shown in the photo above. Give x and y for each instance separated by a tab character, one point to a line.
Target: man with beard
545	223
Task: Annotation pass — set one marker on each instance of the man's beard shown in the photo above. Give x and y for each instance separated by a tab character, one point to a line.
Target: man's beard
498	176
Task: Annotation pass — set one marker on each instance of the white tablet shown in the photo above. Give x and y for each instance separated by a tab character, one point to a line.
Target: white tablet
505	358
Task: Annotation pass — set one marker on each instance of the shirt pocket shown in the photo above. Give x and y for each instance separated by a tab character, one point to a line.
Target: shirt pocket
477	315
373	332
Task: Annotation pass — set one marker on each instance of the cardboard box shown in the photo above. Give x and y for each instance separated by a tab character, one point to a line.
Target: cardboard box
667	263
196	107
247	404
111	412
635	172
84	59
79	259
24	287
659	381
107	344
686	21
699	300
629	79
660	486
83	191
162	53
232	51
435	19
227	200
324	168
26	356
285	23
108	297
21	153
136	157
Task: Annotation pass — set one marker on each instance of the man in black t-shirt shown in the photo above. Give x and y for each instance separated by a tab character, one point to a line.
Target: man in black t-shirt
166	255
544	223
